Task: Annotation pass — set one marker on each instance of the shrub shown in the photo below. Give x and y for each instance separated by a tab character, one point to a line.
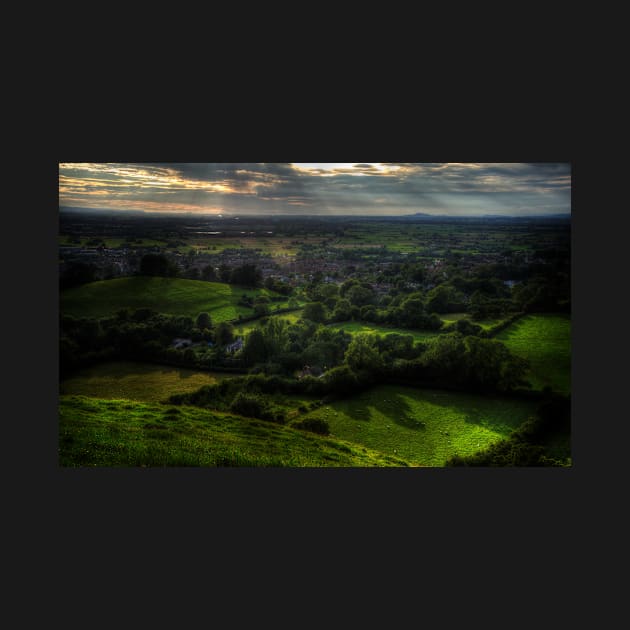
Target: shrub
249	405
314	425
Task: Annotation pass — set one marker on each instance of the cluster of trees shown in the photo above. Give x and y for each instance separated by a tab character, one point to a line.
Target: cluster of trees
279	286
246	275
464	362
283	347
454	359
142	334
158	265
544	294
479	295
451	360
76	274
405	311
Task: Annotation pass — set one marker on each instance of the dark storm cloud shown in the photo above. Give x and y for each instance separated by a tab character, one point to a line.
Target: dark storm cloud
369	188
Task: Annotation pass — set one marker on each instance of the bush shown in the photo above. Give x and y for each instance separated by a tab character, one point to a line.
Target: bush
314	425
249	405
340	379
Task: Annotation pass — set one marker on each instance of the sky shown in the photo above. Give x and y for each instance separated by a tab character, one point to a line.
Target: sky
339	188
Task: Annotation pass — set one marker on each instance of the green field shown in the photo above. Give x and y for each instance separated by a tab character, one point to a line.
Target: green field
137	381
375	329
424	427
174	296
545	341
95	432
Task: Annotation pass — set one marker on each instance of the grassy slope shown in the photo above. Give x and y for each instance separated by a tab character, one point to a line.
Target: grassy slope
423	426
96	432
545	341
175	296
137	381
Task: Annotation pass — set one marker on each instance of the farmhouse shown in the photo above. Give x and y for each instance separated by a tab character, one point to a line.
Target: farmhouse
181	343
234	346
308	370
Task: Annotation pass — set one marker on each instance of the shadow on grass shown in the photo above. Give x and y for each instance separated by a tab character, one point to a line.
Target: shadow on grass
393	407
502	419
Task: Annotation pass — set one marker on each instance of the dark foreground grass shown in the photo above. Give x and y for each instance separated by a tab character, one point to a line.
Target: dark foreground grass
95	432
137	381
174	296
424	426
545	341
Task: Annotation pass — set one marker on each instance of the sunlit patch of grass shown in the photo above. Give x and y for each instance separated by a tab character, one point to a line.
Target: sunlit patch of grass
137	381
423	426
545	341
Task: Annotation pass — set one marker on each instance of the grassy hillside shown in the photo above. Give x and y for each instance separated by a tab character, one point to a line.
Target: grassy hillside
137	381
174	296
423	426
545	341
364	327
96	432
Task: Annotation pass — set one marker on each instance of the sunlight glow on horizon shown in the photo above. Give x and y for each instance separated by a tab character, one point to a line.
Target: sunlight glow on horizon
364	188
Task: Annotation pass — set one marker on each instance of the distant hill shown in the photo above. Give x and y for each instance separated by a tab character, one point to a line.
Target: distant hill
482	217
102	212
174	296
95	432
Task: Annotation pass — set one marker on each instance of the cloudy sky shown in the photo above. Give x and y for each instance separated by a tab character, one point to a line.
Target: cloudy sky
323	188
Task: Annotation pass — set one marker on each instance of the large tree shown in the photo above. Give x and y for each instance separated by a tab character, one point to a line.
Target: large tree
363	354
224	333
255	348
203	321
77	273
246	275
275	334
315	311
360	295
157	265
343	311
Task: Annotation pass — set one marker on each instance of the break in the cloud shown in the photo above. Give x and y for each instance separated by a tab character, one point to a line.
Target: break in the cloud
320	188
